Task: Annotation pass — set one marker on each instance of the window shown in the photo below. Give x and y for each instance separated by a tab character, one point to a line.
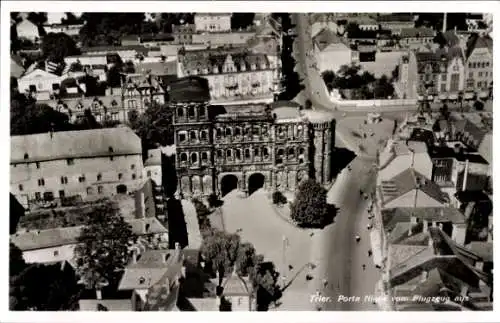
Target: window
487	64
201	111
64	180
229	153
204	156
485	74
480	74
56	253
110	149
279	156
219	153
291	153
70	161
132	167
41	182
443	87
21	188
265	152
218	133
471	75
180	112
479	84
99	176
38	196
483	64
228	131
120	176
191	112
470	65
194	158
133	176
182	137
81	179
192	135
183	157
204	135
100	189
237	131
238	154
247	153
443	77
32	88
256	152
26	156
132	104
90	191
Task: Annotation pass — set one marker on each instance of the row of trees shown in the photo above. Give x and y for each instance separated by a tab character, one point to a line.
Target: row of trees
364	86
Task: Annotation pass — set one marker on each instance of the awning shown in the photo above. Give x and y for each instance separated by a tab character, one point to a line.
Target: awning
469	96
453	97
442	97
484	94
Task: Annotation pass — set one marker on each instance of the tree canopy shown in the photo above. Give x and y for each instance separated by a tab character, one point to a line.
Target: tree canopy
242	20
28	117
154	126
310	208
56	47
104	249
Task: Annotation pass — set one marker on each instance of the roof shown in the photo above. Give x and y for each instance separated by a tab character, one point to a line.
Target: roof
438	59
401	147
149	268
483	249
16	67
189	89
451	38
41	239
486	148
105	305
399	253
439	152
478	42
212	59
407	181
325	38
391	217
75	144
236	285
417	32
395	17
157	68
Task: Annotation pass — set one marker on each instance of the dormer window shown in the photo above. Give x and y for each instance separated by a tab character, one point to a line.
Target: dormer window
110	149
26	156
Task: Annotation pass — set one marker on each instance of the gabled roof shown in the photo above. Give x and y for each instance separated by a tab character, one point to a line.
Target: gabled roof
477	41
407	181
325	38
74	144
431	214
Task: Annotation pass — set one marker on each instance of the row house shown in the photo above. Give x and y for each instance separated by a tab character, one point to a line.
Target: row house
233	74
433	74
396	22
212	22
90	164
141	91
416	38
479	66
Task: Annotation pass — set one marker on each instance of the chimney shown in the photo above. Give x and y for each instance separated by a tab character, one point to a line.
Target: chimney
98	293
445	22
466	171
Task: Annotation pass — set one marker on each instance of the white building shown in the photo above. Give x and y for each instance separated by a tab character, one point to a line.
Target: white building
39	80
70	30
28	30
331	51
90	164
213	22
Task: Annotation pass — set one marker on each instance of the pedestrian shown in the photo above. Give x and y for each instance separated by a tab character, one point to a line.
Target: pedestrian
369	253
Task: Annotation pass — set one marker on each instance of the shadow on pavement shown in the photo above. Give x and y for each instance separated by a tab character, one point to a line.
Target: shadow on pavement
342	158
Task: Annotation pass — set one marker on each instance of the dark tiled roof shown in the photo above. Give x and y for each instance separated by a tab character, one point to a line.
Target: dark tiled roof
395	17
439	152
325	38
432	214
477	41
451	38
407	181
482	249
188	89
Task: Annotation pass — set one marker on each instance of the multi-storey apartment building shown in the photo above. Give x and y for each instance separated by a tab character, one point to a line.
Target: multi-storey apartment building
248	147
140	91
233	74
479	65
212	22
90	163
429	74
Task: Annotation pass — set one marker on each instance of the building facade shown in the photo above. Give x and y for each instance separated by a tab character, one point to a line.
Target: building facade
212	22
479	65
233	74
219	149
141	91
90	164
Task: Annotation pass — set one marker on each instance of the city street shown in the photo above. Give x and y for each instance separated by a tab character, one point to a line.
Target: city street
342	258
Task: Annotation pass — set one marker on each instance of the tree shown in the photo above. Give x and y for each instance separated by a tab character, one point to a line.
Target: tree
264	279
103	251
42	287
38	18
383	88
71	19
329	79
154	126
279	198
28	117
129	67
225	252
56	47
107	28
202	213
310	209
16	260
242	20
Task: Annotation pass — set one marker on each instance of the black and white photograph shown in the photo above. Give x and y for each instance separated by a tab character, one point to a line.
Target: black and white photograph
235	161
